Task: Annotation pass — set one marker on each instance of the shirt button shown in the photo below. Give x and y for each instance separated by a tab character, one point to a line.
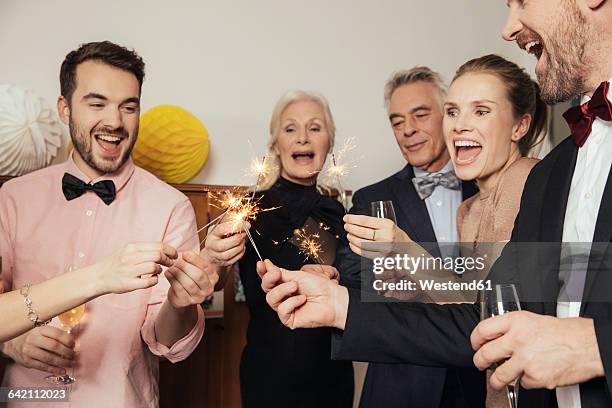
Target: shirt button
88	213
439	203
81	255
588	196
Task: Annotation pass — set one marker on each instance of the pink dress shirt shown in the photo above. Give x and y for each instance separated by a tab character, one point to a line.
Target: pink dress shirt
41	234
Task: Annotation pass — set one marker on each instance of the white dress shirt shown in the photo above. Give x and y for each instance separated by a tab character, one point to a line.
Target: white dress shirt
586	192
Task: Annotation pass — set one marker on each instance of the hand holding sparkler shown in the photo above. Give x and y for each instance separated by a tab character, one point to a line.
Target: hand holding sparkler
225	242
224	246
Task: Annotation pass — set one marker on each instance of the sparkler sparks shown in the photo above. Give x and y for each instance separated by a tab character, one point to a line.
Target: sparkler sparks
240	209
260	169
340	168
309	244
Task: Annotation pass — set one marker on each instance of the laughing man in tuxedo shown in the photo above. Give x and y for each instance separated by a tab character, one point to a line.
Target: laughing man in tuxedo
560	350
414	100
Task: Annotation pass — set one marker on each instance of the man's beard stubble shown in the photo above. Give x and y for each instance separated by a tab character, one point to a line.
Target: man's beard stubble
82	142
567	60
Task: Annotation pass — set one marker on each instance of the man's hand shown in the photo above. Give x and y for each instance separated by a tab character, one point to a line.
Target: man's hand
543	351
303	299
44	348
363	229
325	271
192	279
137	266
225	246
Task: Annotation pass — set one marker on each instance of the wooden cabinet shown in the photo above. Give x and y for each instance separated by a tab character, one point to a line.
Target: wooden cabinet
210	376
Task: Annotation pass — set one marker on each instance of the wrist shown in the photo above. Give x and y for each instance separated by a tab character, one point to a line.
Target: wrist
6	349
341	302
92	280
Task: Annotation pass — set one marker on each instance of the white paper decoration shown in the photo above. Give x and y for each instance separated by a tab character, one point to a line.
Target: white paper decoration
30	132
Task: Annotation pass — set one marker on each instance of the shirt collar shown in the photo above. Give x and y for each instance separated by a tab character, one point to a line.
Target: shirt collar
420	173
585	98
120	177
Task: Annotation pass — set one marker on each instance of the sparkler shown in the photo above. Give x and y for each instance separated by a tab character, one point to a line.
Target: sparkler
339	168
309	244
246	211
260	170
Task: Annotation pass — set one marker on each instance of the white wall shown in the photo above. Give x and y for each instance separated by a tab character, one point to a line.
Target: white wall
228	62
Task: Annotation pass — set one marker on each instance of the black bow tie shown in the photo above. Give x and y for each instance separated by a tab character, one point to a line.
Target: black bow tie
74	188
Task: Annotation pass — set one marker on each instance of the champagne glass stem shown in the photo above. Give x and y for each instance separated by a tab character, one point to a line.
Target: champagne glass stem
511	392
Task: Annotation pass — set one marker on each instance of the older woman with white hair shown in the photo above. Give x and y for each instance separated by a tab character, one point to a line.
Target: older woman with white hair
296	363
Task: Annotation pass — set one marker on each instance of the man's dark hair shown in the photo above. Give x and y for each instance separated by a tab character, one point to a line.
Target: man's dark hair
105	52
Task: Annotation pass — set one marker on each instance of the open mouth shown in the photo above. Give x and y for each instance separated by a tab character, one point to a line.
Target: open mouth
109	143
533	44
466	151
303	157
535	47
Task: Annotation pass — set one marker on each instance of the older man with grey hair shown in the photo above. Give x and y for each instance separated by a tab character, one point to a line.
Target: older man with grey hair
427	213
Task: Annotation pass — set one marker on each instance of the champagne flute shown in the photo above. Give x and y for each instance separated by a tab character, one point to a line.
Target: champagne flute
501	299
384	209
69	320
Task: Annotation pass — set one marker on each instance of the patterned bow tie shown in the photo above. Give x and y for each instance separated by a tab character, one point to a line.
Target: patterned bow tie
74	188
425	185
580	118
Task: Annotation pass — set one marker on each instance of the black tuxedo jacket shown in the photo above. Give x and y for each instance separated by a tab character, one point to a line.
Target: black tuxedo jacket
439	335
404	385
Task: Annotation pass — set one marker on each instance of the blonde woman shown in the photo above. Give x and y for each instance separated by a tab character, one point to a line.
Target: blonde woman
296	362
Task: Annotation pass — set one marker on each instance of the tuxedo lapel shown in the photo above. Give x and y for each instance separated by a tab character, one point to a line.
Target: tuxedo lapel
552	219
414	211
601	240
557	194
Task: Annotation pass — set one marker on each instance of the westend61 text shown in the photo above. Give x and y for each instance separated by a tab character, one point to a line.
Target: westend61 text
431	285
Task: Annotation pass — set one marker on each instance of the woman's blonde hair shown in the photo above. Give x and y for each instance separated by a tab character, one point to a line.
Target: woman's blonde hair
272	158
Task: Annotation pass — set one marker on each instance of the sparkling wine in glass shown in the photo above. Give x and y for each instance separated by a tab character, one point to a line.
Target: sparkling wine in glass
69	320
383	209
497	301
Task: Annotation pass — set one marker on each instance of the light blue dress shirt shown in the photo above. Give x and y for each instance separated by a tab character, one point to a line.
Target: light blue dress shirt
442	207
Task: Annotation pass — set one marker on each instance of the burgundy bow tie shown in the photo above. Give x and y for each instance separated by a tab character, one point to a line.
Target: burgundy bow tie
580	118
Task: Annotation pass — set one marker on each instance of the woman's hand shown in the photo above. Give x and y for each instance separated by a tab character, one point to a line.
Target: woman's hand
137	266
363	229
225	246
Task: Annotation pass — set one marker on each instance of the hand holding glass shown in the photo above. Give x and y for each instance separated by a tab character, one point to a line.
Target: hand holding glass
69	321
501	299
383	209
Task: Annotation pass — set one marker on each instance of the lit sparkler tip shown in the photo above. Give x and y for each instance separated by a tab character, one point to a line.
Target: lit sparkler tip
309	244
260	168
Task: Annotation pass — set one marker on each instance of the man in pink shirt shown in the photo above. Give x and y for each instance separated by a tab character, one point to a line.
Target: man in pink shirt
99	209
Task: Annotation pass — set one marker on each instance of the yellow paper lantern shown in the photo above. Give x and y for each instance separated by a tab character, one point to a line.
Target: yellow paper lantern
172	144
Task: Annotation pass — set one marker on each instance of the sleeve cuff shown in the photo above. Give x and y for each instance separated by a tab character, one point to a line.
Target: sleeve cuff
341	339
603	333
182	348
